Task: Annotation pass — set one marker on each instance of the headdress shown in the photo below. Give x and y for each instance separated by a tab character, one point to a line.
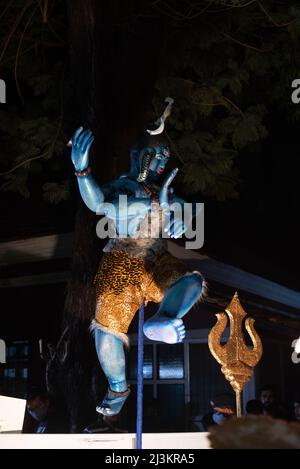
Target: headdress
142	153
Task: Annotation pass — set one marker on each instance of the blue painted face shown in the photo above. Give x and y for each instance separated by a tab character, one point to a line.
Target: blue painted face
159	161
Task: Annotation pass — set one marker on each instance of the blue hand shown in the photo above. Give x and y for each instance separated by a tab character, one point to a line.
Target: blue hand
81	144
91	193
177	229
163	195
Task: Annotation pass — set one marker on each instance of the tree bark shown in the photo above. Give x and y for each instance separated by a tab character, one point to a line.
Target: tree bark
114	58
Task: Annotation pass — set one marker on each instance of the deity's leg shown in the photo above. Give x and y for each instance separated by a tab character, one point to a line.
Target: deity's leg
167	325
110	351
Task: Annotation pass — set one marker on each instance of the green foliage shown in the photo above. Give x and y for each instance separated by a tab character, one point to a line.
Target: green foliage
228	69
56	192
227	63
32	126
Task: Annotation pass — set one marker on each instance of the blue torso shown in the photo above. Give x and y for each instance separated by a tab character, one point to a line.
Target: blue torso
127	204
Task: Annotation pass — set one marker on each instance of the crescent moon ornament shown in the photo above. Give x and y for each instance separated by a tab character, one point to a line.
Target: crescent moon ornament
159	130
161	121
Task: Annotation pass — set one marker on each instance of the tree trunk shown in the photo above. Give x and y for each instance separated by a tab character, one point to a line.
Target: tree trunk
114	58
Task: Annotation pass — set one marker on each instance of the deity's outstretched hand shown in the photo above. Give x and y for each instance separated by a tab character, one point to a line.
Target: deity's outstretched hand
175	226
164	191
81	144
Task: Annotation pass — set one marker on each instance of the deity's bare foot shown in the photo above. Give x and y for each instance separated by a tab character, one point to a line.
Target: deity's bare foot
165	329
113	402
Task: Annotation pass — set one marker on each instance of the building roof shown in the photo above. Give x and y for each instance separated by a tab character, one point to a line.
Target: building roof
43	260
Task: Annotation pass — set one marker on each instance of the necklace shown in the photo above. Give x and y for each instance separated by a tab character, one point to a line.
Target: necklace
153	193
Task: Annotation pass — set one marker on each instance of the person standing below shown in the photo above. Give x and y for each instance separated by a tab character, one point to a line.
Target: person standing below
271	406
254	407
223	408
45	417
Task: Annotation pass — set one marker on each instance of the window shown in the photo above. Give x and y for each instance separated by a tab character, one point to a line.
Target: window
164	386
147	362
179	381
171	407
10	373
16	369
24	350
206	379
11	351
170	359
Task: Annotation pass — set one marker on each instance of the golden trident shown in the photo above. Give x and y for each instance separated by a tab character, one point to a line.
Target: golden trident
236	358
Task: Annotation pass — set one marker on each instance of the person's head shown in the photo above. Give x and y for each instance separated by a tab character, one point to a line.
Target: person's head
159	159
267	396
149	157
254	407
223	407
38	405
150	161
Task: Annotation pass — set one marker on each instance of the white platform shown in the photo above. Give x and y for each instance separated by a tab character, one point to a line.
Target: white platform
107	441
11	414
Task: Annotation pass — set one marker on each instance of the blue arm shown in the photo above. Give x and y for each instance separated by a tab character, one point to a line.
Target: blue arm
90	192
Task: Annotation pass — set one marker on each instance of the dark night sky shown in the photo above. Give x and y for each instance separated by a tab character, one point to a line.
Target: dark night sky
258	232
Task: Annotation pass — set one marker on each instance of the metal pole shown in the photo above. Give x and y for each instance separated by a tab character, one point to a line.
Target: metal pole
140	379
238	403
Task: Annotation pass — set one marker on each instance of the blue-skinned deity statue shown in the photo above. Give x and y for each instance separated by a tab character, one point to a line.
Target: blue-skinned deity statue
136	266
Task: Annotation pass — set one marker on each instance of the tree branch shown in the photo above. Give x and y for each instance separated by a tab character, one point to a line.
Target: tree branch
6	173
39	42
6	8
235	106
270	18
52	146
248	46
18	52
13	29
